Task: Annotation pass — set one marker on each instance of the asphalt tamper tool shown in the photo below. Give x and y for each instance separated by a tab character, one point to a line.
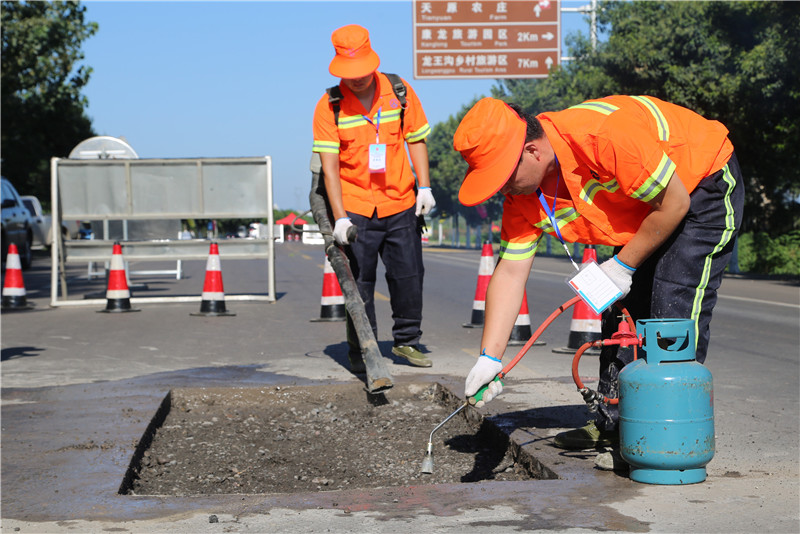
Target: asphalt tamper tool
378	377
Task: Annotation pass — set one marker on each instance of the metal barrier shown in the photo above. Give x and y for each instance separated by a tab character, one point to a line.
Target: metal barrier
146	189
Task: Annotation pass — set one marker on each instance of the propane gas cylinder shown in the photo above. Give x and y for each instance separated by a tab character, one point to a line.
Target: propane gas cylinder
666	407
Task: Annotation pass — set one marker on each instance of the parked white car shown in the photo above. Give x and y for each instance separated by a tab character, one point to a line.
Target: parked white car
17	226
43	224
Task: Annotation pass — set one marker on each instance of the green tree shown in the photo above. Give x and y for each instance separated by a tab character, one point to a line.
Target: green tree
42	105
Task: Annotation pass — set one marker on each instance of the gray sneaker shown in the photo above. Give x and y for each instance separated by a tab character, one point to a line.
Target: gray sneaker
412	354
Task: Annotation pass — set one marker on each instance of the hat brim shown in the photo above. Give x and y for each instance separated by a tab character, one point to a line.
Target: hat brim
480	184
343	67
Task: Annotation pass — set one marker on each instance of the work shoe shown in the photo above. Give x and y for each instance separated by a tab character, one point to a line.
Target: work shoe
412	354
357	363
587	437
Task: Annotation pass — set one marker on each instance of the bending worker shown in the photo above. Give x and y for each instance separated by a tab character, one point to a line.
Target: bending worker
361	141
653	179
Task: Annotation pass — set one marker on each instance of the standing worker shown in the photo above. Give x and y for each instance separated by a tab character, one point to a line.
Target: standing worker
653	179
361	136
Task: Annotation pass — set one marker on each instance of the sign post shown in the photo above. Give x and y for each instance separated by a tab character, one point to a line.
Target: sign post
486	39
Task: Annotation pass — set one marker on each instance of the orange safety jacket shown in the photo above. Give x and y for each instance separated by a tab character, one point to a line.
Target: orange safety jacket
615	154
364	192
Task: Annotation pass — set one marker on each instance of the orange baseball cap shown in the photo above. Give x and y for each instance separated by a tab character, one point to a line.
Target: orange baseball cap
490	139
354	55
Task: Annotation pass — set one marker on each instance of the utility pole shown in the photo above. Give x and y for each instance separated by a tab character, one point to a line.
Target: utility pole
590	8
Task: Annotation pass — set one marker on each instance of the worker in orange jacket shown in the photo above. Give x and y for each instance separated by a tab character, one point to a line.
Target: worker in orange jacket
370	185
655	180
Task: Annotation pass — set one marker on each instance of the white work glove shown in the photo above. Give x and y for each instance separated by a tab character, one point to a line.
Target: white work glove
425	201
484	372
340	231
620	274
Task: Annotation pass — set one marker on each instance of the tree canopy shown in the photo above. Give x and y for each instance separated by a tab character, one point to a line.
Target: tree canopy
43	108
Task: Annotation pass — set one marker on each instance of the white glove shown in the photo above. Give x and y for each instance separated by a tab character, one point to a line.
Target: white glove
340	231
425	201
484	372
620	274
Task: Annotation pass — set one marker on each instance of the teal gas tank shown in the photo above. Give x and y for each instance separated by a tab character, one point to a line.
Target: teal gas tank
666	407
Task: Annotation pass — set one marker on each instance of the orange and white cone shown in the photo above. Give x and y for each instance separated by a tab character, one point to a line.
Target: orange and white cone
14	297
521	332
585	326
485	271
213	298
332	306
118	296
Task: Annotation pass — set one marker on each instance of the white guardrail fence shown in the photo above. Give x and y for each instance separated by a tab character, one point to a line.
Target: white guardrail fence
162	190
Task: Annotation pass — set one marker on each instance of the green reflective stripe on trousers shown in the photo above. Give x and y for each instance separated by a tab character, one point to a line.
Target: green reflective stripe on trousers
727	235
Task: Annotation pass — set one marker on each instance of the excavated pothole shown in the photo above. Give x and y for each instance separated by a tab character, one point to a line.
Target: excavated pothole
282	439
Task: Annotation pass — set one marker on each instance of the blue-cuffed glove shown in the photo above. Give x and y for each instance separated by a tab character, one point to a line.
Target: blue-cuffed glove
482	373
620	274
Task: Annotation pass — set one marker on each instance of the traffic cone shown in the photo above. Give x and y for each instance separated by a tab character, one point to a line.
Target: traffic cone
118	296
14	287
521	332
332	303
485	271
586	324
213	299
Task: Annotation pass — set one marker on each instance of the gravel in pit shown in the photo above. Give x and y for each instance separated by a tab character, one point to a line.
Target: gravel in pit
318	438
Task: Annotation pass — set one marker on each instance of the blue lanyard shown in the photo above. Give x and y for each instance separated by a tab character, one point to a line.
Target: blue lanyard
376	124
551	213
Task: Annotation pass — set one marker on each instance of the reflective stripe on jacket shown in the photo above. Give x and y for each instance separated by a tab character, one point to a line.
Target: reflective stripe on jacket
615	155
364	192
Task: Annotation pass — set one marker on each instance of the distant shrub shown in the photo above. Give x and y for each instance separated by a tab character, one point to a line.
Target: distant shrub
761	254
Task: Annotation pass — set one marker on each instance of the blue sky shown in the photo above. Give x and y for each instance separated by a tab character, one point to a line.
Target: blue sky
239	79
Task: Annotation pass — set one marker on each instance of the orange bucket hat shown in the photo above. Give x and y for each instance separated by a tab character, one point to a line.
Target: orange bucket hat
490	139
354	55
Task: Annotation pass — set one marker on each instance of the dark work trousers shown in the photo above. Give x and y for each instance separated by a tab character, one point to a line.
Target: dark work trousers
680	280
397	239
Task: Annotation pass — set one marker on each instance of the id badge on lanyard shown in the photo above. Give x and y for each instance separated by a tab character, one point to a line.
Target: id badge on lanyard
590	283
377	151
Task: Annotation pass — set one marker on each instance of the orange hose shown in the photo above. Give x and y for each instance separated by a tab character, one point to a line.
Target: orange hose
558	311
624	339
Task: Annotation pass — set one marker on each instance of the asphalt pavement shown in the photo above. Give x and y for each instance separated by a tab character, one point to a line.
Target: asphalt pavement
80	389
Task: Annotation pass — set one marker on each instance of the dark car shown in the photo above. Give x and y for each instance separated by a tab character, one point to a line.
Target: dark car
17	225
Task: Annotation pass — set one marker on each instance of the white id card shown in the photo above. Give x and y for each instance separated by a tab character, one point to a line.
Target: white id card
594	287
377	158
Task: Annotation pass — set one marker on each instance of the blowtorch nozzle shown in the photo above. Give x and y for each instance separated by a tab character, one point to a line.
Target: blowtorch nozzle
427	462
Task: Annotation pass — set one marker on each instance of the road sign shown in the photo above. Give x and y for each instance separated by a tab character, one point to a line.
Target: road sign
486	39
